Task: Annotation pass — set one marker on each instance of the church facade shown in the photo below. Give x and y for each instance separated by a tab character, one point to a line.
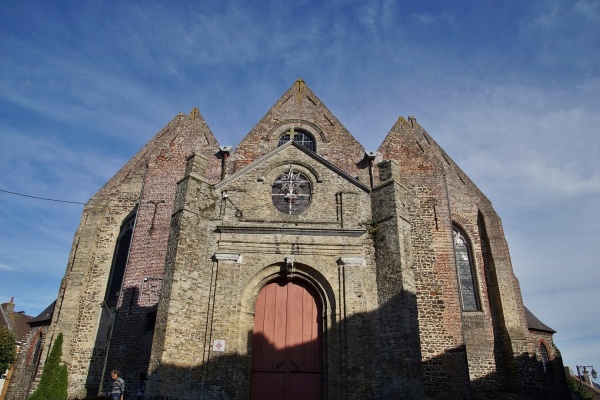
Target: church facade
297	266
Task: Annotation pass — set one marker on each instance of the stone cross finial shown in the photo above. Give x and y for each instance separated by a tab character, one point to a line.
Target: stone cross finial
300	84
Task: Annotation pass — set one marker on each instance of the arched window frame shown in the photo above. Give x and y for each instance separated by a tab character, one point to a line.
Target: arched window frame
292	191
301	136
467	278
35	349
544	356
119	262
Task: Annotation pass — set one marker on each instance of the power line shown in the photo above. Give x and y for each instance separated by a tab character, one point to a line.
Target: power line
40	198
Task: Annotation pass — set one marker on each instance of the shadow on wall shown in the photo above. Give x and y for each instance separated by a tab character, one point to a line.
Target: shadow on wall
123	342
345	373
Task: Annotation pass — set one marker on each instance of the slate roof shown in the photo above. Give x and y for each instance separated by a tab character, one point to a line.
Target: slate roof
535	324
44	317
15	321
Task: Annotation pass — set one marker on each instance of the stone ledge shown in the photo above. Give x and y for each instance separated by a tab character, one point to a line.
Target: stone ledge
352	261
228	257
260	230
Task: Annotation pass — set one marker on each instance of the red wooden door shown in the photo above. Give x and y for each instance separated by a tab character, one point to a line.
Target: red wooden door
287	344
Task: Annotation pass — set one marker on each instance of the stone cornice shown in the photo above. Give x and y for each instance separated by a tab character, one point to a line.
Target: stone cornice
352	261
235	257
269	230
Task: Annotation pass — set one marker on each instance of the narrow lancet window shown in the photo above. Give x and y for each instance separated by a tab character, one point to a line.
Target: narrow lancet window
544	356
466	274
117	272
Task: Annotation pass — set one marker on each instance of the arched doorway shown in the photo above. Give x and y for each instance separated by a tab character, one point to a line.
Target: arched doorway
287	343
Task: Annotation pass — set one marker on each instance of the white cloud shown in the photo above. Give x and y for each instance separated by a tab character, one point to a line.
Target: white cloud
428	18
89	98
562	180
548	18
590	9
51	167
522	143
5	267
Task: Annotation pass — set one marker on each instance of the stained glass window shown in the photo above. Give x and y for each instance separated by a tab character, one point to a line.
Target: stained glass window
464	266
291	192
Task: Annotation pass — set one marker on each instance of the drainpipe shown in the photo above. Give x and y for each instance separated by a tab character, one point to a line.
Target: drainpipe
225	151
370	157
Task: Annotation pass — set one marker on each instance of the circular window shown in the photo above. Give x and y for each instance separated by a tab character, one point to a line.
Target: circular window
291	192
301	136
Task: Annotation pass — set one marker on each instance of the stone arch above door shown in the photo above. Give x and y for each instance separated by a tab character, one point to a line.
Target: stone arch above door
251	288
277	270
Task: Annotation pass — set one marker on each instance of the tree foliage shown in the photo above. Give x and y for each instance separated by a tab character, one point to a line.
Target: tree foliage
53	384
577	388
8	348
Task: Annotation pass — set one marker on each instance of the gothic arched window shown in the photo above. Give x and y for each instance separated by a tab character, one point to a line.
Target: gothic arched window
544	356
466	272
301	136
32	361
117	271
36	351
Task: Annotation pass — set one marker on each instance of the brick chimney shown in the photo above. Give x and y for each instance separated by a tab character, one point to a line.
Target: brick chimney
9	307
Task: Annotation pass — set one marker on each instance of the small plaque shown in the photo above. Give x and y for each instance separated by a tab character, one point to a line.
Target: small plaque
219	345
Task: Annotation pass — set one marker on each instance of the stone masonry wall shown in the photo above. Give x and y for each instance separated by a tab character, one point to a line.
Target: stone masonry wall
226	284
80	315
25	368
551	381
397	361
132	333
440	319
381	262
493	339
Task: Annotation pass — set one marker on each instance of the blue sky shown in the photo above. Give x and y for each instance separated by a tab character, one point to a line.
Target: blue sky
510	89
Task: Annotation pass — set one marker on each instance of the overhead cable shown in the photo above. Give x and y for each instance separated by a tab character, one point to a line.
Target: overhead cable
40	198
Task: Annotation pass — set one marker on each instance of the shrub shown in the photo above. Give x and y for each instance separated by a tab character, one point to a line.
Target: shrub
8	348
577	388
53	384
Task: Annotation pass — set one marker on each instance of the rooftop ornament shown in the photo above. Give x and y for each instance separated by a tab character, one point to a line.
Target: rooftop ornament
582	369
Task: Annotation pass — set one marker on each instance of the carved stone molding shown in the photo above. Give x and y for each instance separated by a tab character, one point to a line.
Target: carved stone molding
352	261
237	258
290	269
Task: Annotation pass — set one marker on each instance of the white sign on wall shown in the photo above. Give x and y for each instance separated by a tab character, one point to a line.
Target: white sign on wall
219	345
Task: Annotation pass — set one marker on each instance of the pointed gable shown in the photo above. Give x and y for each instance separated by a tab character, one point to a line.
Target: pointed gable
411	147
418	153
326	199
300	110
182	136
301	149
